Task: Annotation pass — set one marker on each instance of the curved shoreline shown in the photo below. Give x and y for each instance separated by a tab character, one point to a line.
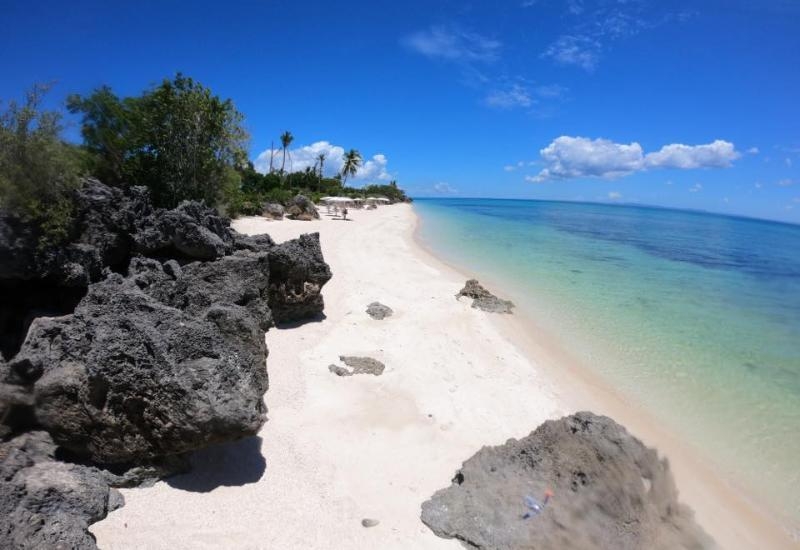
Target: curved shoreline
734	518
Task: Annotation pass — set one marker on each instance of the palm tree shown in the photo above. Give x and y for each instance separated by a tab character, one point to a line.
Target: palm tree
352	162
286	139
321	159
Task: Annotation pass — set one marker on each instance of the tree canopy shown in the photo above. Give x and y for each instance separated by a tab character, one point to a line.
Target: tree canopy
178	139
38	171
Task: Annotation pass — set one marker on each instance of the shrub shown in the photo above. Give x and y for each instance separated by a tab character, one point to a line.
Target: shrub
38	171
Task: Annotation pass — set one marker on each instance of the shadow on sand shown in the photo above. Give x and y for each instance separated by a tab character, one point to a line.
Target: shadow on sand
227	464
294	324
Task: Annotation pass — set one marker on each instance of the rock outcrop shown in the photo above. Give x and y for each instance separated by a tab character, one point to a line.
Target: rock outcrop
483	299
378	311
297	273
610	492
138	340
45	503
301	208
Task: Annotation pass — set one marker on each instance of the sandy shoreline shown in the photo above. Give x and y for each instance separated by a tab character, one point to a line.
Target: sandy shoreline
337	450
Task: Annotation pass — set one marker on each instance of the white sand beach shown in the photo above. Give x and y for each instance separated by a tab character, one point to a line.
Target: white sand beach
336	450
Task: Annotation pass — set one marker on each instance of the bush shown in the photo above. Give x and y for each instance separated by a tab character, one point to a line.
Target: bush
38	171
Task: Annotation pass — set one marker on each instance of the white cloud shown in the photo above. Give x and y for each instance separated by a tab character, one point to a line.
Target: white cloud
726	200
718	154
696	187
579	157
786	183
753	151
614	195
515	96
299	159
579	50
788	162
758	185
575	157
453	44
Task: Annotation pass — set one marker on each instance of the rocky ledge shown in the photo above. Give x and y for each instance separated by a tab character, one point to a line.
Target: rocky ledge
137	341
608	490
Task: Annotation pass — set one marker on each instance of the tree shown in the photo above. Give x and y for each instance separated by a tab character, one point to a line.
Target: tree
178	139
321	159
38	171
352	162
286	139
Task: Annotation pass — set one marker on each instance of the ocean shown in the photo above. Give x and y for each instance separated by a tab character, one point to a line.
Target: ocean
693	316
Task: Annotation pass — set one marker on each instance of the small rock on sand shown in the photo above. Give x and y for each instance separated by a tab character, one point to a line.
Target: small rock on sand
378	311
367	522
358	365
483	299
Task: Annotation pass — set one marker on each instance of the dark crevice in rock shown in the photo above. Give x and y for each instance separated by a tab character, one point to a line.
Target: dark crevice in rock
22	301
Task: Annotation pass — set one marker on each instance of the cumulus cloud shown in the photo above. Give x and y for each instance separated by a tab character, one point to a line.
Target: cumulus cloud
300	158
614	195
696	187
718	154
579	157
753	151
453	44
786	183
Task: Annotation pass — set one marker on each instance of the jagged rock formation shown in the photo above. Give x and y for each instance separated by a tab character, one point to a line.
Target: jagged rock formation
610	492
273	210
297	273
358	365
138	340
378	311
483	299
301	208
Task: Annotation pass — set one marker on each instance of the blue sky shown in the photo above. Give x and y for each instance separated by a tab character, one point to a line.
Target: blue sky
684	104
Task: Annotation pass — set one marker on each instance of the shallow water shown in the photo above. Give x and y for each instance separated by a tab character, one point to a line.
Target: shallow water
694	316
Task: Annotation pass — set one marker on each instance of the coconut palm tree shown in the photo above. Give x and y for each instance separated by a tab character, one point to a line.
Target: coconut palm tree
352	162
286	139
321	159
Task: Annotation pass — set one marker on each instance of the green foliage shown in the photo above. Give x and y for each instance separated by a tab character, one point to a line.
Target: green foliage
352	162
178	139
38	171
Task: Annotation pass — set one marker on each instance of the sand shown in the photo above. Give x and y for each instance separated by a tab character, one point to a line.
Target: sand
337	450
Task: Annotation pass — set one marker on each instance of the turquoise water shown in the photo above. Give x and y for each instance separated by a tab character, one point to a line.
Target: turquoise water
694	316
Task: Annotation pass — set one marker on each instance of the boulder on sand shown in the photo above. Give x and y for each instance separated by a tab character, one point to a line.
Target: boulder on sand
358	365
483	299
127	378
610	492
301	208
273	211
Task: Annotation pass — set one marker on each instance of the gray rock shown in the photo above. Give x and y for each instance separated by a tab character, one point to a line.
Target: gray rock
273	210
297	274
610	492
483	299
358	365
368	522
45	503
301	208
128	377
378	311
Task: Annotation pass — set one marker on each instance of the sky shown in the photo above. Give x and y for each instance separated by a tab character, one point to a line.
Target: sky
686	104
